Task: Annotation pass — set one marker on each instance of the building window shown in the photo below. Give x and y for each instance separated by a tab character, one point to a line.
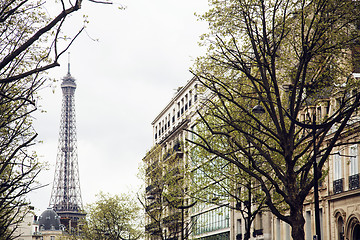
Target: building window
308	225
340	228
212	220
238	229
337	166
258	225
327	108
338	183
353	167
321	222
278	233
338	103
318	113
287	231
178	107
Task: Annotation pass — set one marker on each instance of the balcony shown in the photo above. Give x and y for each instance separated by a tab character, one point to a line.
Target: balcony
152	167
152	189
354	182
174	174
258	232
177	146
153	207
338	186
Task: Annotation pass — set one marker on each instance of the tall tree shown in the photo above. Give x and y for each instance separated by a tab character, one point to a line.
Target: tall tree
113	217
29	45
290	58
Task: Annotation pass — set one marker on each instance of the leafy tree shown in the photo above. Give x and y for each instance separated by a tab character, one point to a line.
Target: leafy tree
113	217
29	45
290	58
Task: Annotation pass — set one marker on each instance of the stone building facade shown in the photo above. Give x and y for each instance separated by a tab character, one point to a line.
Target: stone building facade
181	218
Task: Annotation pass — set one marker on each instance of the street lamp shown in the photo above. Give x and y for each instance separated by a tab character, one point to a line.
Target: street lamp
316	179
313	128
288	87
258	109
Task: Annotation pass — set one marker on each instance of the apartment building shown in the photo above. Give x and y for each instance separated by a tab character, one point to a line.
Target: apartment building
339	191
173	215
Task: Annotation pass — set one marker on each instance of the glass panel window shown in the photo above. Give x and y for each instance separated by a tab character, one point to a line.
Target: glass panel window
337	166
353	160
212	220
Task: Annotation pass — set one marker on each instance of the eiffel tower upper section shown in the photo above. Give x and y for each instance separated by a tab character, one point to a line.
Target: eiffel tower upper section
66	195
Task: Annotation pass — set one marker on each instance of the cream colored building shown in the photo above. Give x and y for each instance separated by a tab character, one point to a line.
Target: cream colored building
171	218
44	227
339	191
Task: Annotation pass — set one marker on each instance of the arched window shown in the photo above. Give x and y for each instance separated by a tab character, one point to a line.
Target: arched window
356	232
340	228
353	228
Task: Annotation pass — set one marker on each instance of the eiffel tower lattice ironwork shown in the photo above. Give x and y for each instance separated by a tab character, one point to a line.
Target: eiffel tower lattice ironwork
66	195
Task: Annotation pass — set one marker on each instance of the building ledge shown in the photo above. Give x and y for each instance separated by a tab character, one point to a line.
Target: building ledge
346	194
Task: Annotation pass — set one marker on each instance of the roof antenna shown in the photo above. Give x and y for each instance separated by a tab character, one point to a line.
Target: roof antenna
69	63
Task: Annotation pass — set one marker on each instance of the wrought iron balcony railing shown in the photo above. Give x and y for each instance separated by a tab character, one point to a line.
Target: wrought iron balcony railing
338	186
258	232
353	181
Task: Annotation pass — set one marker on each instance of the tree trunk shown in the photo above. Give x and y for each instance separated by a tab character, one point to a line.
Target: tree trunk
247	235
298	222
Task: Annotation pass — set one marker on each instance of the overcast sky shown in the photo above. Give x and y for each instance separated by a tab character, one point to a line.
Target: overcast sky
123	81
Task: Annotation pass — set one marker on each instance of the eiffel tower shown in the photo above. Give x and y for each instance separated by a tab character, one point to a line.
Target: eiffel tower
66	195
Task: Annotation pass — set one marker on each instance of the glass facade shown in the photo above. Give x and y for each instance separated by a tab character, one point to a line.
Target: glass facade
212	220
220	236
